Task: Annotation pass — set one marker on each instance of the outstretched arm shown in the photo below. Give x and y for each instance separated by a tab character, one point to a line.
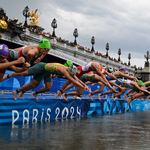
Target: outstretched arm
76	82
77	79
9	64
68	87
140	88
26	66
107	83
129	77
113	77
39	59
114	84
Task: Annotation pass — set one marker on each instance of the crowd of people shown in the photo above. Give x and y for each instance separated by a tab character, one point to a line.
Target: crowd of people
91	73
59	39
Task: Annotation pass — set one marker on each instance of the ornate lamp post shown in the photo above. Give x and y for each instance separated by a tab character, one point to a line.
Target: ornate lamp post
119	53
54	25
92	42
75	34
147	56
129	57
26	14
107	48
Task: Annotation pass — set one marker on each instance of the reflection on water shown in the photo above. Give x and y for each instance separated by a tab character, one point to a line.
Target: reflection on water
120	131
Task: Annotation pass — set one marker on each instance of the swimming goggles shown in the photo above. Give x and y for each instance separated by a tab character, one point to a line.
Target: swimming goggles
47	49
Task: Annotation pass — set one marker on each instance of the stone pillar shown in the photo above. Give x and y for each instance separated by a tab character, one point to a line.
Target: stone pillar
145	74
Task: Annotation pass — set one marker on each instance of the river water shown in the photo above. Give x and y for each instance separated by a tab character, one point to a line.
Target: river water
127	131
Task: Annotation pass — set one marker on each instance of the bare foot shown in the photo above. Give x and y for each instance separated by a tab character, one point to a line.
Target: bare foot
64	96
58	94
35	95
11	75
115	91
15	95
90	96
99	97
113	98
20	95
129	101
76	97
5	77
123	90
125	97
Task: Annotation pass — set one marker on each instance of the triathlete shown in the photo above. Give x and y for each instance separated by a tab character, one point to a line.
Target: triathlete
4	64
30	52
53	68
87	77
92	66
115	84
138	94
121	74
128	84
47	81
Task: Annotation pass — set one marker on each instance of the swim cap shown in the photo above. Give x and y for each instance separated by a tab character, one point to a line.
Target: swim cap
122	69
68	63
110	70
44	43
72	69
4	50
140	82
103	71
108	77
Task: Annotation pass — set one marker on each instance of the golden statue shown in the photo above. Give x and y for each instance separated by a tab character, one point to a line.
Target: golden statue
34	18
3	23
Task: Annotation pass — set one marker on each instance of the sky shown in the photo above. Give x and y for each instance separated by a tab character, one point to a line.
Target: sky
124	24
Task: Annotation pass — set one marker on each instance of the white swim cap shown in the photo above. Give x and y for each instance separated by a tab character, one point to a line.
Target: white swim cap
72	69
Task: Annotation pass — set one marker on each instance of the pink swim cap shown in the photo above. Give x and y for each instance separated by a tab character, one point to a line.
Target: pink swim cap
4	50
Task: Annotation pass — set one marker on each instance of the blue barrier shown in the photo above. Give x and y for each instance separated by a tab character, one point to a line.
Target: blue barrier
28	110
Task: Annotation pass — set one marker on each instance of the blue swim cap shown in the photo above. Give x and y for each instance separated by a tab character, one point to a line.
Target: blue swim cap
108	77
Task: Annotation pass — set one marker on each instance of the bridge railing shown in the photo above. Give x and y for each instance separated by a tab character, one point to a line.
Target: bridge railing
73	50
